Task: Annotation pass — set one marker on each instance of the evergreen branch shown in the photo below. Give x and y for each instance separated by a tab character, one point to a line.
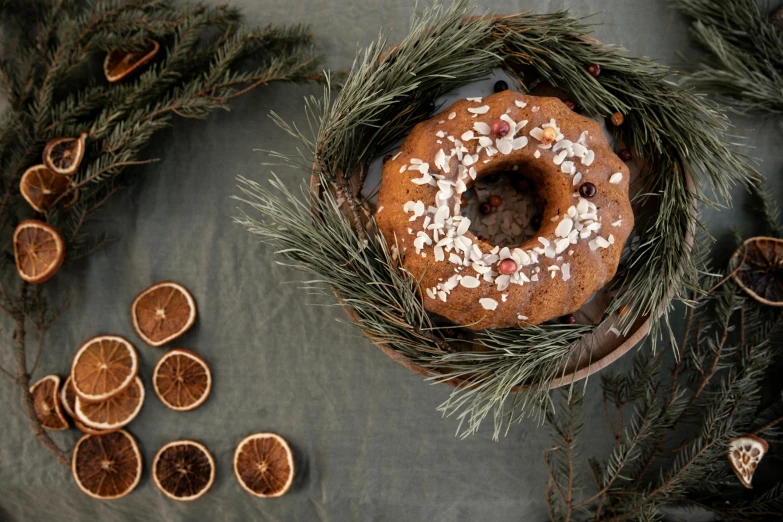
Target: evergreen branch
207	58
745	66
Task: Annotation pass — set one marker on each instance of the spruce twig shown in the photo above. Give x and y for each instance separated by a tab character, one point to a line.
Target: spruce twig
207	59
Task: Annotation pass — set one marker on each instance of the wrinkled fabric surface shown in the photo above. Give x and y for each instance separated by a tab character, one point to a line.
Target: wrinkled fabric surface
369	443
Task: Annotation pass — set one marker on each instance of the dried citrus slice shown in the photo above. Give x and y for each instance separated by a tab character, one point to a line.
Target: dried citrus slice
64	155
39	251
264	465
115	412
183	470
41	187
103	367
119	64
182	380
745	454
107	466
163	312
46	401
761	273
68	397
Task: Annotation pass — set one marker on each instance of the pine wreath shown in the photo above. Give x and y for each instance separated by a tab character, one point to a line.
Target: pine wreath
677	134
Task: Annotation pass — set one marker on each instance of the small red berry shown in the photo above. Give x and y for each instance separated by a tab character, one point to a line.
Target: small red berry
495	200
507	266
485	208
570	104
624	154
617	119
500	127
568	319
594	69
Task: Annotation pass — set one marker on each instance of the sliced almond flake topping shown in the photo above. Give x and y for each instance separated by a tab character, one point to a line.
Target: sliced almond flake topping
416	161
396	155
534	109
616	178
567	167
452	115
468	160
537	153
560	157
504	145
477	99
534	277
467	135
611	237
403	168
440	134
617	223
454	258
488	303
564	227
520	104
577	178
441	122
482	128
519	143
469	282
478	110
522	317
425	179
485	141
589	158
566	271
537	133
431	293
504	297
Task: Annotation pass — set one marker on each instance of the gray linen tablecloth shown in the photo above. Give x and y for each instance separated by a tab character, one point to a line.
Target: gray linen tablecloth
368	441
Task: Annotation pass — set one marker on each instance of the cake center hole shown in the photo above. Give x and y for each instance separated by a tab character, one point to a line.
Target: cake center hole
504	208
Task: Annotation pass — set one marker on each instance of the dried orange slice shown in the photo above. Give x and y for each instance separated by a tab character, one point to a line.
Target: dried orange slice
183	470
113	413
119	64
68	397
182	380
39	251
264	465
64	155
107	466
745	454
46	401
163	312
41	187
103	367
761	273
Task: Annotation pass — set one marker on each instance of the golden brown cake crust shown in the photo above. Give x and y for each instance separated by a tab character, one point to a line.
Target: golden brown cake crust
532	295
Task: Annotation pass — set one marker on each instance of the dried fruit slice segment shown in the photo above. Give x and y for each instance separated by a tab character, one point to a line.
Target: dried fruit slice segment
46	401
39	251
103	367
182	380
113	413
64	155
119	64
107	466
163	312
264	465
745	453
41	187
761	273
68	397
183	470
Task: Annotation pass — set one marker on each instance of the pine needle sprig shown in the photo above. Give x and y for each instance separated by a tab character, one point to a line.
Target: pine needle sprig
679	135
673	450
745	64
207	58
